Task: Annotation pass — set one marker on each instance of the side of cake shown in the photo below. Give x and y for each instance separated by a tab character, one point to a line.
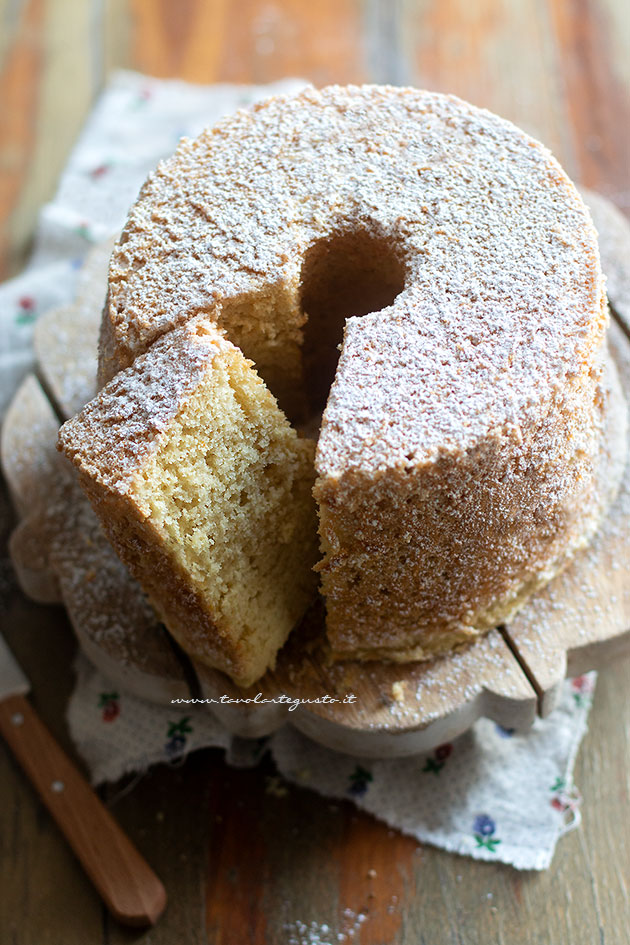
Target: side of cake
440	548
204	490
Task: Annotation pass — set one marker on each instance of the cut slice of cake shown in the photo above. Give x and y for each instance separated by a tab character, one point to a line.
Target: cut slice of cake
204	490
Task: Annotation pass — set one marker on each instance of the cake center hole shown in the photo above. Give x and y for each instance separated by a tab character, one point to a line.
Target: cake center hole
350	273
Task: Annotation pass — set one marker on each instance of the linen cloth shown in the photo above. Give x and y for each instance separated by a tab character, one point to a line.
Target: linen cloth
492	794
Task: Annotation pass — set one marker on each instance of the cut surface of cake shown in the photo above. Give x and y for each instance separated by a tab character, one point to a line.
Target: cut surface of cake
454	262
205	491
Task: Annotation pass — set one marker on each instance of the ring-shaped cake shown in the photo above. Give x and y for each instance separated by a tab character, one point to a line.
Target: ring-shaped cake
453	262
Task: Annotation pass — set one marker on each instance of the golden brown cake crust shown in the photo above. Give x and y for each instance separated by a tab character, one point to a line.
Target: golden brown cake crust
458	454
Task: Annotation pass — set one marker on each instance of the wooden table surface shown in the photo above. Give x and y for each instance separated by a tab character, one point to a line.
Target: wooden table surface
241	864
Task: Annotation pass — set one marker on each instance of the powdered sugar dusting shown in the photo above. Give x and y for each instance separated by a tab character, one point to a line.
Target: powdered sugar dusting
503	284
320	933
125	421
490	358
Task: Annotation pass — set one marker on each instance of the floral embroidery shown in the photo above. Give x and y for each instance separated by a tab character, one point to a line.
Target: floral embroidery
359	780
564	798
583	688
83	230
143	96
108	702
176	735
483	828
27	309
100	170
438	760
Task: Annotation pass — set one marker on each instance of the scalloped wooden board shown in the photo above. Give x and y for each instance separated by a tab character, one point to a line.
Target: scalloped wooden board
579	622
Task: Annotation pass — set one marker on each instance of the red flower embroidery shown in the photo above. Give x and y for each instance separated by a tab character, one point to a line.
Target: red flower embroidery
27	309
108	702
111	712
437	762
442	752
582	684
99	171
582	690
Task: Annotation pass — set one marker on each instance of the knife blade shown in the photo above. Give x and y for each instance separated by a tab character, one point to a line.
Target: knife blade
125	881
13	681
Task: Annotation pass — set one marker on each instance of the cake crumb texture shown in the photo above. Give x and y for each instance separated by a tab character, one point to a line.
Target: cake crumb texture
205	491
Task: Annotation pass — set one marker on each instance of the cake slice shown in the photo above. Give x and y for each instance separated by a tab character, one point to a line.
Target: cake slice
204	489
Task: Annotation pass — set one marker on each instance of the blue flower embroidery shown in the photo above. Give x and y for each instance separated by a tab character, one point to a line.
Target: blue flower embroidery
483	828
176	734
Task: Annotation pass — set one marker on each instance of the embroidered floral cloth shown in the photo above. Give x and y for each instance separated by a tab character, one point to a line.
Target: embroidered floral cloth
491	794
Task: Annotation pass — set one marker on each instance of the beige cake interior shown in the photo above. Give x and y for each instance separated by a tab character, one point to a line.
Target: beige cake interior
204	489
229	492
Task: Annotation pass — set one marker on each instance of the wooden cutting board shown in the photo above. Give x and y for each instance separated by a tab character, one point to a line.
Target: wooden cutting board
511	675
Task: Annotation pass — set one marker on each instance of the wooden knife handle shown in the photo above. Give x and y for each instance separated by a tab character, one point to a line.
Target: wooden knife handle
126	882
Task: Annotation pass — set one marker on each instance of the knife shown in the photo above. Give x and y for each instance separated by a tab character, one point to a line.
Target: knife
125	881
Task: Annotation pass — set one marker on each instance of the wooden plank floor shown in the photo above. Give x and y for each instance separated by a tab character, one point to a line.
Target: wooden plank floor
242	865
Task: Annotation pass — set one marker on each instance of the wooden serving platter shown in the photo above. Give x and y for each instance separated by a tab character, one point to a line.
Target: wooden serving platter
580	621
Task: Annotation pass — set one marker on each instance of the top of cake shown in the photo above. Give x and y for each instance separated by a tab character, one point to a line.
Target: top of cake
502	296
